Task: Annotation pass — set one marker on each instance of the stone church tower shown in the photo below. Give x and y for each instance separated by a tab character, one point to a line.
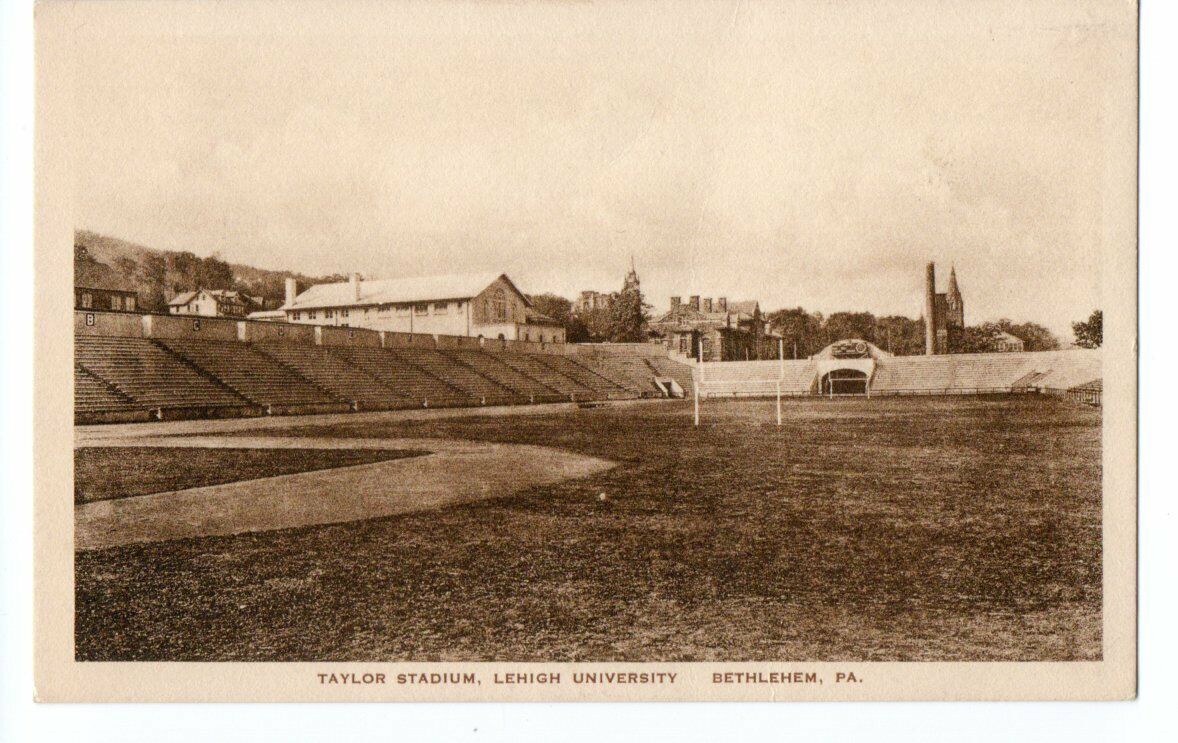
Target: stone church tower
946	310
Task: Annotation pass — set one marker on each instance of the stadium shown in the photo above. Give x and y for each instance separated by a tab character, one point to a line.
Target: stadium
276	491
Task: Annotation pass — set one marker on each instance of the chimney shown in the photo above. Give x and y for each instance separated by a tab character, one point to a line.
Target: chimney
693	302
722	304
707	304
675	302
292	290
930	309
354	280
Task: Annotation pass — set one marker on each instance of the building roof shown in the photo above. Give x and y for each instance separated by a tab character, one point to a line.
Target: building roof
90	274
184	298
687	316
1002	335
748	307
266	314
532	317
387	291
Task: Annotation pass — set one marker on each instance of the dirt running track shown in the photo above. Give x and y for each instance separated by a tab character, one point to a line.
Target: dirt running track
453	472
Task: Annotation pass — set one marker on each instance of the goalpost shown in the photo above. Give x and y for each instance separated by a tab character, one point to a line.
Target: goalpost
734	388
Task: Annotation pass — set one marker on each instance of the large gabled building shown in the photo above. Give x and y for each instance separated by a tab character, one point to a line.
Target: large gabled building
484	305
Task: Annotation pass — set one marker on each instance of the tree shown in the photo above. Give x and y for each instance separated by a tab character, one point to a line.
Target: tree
975	339
1035	337
628	312
213	273
552	305
561	310
801	331
1090	333
846	325
597	323
899	335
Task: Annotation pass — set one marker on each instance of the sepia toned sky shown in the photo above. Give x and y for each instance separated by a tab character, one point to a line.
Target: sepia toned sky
805	153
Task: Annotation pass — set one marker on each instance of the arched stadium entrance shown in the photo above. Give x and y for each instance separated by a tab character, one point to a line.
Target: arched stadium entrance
843	382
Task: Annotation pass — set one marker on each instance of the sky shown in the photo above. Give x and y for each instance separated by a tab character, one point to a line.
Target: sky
798	153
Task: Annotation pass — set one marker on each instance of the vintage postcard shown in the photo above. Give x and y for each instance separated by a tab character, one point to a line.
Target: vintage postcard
586	351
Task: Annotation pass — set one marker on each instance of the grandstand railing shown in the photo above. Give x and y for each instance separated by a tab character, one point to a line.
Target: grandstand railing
949	391
1085	396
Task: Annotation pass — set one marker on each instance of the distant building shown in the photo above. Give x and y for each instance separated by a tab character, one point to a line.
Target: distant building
97	286
591	300
214	303
1006	343
478	305
718	329
944	314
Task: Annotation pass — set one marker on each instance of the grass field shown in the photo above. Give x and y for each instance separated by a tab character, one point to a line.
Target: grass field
884	529
104	473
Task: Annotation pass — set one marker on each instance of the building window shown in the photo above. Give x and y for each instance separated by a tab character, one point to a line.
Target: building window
116	302
87	300
311	315
329	313
420	309
296	316
344	313
498	305
130	303
440	308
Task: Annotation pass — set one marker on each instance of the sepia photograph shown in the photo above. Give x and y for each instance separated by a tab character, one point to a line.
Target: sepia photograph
466	350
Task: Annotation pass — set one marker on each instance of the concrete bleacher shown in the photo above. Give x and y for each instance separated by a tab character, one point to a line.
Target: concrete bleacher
680	372
532	366
408	380
634	372
913	375
583	375
493	368
1068	369
153	377
334	374
473	384
130	367
602	369
951	374
985	372
255	376
92	396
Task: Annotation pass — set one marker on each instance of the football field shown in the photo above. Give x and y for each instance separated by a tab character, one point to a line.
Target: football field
952	528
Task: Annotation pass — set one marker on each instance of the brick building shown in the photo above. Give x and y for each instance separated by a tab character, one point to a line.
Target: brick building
719	329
